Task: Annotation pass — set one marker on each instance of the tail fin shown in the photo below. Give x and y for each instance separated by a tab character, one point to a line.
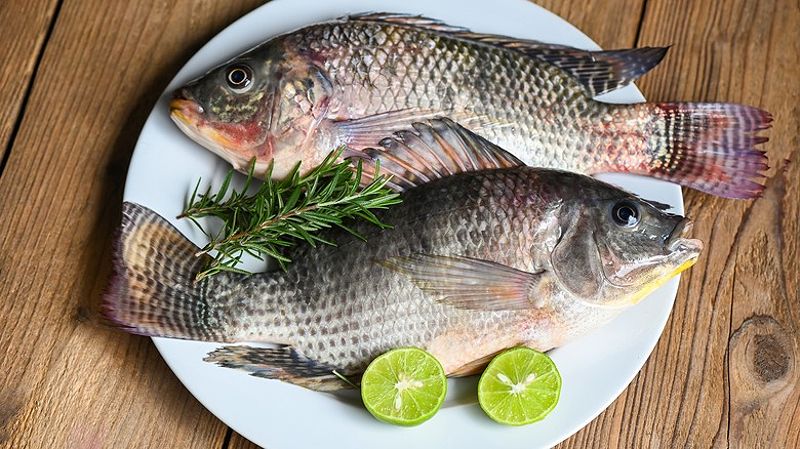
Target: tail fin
709	147
152	289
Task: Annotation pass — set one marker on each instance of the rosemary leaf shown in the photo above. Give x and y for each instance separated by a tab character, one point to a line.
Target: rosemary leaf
281	213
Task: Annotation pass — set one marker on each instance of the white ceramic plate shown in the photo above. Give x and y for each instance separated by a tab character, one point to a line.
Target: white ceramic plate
595	369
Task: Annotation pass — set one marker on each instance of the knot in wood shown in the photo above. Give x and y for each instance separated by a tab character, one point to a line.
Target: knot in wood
770	360
762	358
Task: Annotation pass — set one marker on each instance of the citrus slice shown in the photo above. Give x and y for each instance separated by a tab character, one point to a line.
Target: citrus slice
404	386
520	386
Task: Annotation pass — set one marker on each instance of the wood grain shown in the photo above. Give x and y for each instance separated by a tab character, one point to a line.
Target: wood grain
610	23
724	373
239	442
23	31
66	383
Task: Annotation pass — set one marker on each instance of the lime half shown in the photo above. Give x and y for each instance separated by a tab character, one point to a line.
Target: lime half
520	386
404	386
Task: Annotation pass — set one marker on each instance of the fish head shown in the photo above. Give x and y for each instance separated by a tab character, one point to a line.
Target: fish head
615	248
261	106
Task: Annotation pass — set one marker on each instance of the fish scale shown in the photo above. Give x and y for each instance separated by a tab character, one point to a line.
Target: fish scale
433	70
483	254
354	81
316	303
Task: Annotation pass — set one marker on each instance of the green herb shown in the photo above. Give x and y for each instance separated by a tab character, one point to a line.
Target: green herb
281	213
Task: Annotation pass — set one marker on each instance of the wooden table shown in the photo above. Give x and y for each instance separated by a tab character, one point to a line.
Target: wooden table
77	80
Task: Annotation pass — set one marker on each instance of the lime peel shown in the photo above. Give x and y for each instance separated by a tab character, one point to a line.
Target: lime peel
405	386
520	386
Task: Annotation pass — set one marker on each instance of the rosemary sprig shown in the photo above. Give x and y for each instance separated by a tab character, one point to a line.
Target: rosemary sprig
281	213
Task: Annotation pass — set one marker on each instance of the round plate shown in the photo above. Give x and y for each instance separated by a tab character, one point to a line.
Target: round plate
277	415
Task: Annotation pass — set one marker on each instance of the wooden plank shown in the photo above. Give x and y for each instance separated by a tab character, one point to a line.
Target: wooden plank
23	32
66	382
610	23
69	384
724	373
240	442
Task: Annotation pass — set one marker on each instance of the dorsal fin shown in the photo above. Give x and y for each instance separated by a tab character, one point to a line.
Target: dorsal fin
604	71
412	20
597	71
432	150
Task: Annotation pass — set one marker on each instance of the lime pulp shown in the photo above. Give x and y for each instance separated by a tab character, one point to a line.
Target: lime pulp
520	386
404	386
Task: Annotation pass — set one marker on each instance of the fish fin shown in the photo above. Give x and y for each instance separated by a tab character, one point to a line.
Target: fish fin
710	147
434	150
282	363
657	204
152	289
597	71
367	131
412	20
468	283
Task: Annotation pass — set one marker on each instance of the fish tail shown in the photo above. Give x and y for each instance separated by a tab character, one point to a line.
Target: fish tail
710	147
152	290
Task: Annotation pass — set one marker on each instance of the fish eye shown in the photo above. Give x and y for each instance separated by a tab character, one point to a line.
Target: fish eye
626	214
239	77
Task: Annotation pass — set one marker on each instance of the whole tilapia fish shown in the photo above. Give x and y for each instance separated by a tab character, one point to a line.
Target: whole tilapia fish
476	262
355	80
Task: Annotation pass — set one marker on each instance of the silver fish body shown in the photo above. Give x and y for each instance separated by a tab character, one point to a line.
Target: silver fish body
344	306
354	81
476	262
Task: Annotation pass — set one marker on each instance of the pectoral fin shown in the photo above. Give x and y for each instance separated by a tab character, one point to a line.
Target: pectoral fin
368	131
283	363
468	283
432	150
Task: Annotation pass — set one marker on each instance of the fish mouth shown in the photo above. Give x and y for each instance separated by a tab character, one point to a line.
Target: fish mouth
683	253
184	109
679	242
188	117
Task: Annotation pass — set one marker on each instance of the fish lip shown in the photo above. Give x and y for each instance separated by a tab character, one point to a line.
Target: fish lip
185	113
185	108
679	241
